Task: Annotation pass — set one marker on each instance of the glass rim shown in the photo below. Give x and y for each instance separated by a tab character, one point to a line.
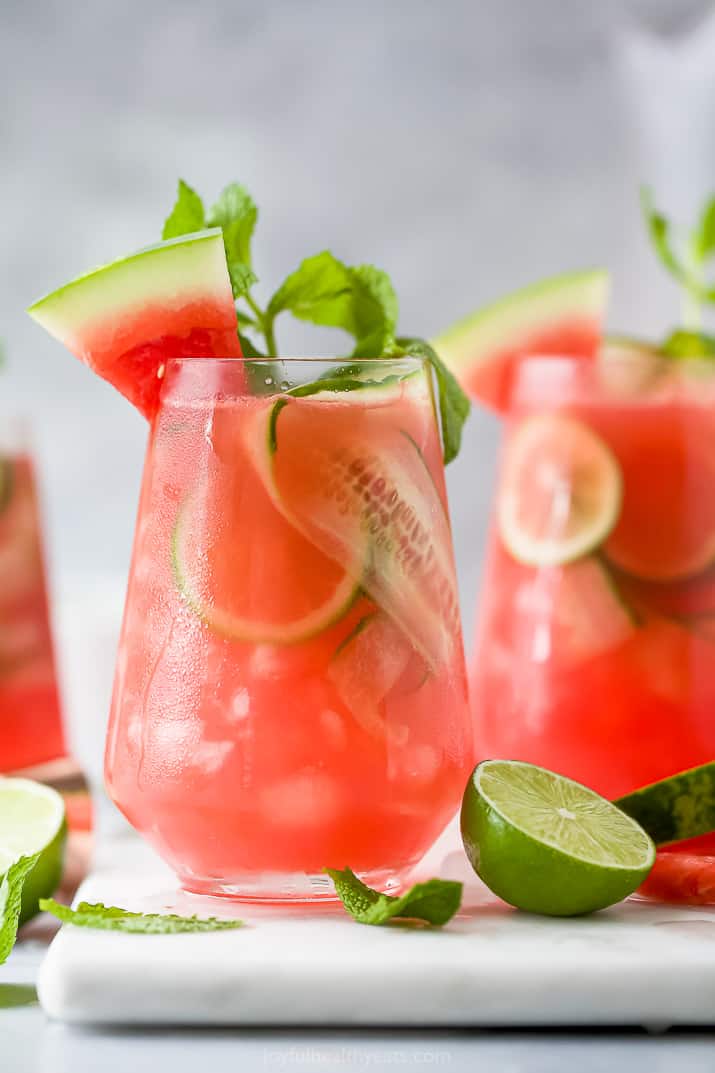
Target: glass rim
408	360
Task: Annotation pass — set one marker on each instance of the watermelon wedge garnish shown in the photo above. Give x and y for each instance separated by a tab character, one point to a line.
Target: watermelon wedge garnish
562	316
126	319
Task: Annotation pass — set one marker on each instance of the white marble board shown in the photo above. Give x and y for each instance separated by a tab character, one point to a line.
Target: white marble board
636	963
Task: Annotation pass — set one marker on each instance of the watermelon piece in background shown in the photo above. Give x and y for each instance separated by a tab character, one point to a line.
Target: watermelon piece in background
126	319
562	316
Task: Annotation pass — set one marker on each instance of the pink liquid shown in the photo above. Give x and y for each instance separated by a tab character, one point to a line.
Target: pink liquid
242	759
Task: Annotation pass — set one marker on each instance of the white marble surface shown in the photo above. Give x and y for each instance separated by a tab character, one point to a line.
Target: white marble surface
34	1044
634	964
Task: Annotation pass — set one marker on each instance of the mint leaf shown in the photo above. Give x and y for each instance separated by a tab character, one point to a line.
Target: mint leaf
319	291
686	344
10	902
660	234
703	240
454	406
360	300
242	278
110	918
235	213
374	311
249	349
187	214
435	901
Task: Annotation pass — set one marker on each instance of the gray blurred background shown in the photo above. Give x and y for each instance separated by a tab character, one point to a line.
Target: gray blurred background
468	147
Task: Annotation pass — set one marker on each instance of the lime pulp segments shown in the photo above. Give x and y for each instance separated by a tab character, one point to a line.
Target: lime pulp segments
32	819
547	844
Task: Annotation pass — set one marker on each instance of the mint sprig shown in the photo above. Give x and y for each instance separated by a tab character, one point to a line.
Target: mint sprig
454	406
10	902
187	215
434	901
111	918
688	257
322	290
685	344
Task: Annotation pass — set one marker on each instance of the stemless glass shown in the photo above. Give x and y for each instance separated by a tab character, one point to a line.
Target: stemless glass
595	652
290	692
31	730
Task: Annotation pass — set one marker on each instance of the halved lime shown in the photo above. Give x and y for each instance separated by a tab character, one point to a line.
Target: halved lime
547	844
560	493
32	819
679	807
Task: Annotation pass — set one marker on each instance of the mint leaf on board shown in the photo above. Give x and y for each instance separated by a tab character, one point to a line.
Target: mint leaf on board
687	344
187	214
10	902
434	901
454	405
111	918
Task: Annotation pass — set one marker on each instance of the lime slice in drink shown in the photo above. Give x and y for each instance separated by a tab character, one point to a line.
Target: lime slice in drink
560	491
32	819
676	808
547	844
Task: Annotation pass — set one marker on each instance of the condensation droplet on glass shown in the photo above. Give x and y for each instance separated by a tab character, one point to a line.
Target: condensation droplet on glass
268	381
284	385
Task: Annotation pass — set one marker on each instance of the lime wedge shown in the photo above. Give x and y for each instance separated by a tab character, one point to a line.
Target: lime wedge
560	491
676	808
32	818
547	844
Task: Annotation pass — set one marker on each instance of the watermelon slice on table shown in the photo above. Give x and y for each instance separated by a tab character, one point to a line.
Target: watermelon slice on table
126	319
682	878
561	316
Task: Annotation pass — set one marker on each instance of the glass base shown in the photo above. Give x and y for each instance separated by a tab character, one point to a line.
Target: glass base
288	887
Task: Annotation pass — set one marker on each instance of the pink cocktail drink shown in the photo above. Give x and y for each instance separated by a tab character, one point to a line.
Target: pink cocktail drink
595	654
290	692
30	719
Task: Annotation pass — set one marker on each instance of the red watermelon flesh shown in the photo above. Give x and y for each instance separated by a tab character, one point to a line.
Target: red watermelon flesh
127	319
562	316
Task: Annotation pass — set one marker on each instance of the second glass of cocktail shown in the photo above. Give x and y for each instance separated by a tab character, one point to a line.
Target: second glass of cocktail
290	691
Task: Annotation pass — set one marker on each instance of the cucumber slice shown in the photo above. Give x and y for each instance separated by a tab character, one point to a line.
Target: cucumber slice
561	491
344	473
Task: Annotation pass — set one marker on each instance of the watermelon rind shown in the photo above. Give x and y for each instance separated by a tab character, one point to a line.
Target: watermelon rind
169	271
506	327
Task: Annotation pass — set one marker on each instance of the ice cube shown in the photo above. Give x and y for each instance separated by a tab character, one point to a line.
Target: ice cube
209	756
306	799
240	706
333	725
